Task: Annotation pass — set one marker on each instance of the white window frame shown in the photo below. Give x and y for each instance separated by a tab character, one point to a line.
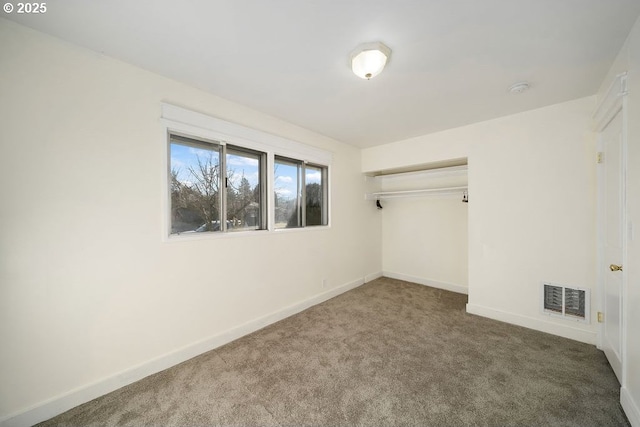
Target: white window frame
179	120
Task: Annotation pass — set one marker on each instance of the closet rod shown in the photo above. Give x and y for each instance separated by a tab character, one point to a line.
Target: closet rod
411	193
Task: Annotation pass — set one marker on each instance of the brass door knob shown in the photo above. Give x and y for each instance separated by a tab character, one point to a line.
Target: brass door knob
614	267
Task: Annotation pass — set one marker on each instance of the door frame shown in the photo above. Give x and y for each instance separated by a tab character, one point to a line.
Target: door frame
612	103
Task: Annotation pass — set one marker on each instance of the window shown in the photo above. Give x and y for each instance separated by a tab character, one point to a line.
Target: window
316	195
218	182
246	191
198	170
300	193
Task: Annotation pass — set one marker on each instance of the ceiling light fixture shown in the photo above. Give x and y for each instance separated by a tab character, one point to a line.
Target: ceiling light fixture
519	87
368	60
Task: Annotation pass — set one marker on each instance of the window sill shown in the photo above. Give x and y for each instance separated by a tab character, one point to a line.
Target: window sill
301	229
189	237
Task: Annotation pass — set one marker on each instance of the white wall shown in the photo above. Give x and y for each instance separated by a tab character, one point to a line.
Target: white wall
90	296
629	60
424	238
531	214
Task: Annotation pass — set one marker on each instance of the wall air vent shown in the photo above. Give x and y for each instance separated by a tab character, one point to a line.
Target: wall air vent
570	303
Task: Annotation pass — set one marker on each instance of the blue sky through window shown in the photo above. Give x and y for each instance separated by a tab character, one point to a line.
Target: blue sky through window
184	158
286	180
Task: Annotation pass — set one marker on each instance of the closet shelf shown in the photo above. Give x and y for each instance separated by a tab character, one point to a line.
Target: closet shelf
433	167
460	170
441	191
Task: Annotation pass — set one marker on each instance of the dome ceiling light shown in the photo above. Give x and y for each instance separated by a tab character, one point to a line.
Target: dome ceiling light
368	60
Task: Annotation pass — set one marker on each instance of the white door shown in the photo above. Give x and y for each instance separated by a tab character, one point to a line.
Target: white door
613	240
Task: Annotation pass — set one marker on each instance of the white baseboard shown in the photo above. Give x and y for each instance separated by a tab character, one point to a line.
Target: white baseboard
373	276
630	407
59	404
589	337
427	282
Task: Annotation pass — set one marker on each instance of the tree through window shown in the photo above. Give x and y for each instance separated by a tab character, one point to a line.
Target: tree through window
198	172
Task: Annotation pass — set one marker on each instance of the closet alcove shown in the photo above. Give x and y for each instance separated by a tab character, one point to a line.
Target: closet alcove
424	215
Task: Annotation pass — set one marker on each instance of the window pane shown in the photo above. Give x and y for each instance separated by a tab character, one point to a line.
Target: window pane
243	190
195	183
315	191
287	178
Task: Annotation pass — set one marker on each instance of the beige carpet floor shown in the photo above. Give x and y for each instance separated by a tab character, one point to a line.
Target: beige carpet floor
389	353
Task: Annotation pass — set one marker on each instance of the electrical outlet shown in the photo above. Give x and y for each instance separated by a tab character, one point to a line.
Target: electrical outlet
324	283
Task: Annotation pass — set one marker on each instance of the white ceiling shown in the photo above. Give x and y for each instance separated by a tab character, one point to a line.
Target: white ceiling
452	62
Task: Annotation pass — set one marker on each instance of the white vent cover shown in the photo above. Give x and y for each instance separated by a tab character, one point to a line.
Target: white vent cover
570	303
